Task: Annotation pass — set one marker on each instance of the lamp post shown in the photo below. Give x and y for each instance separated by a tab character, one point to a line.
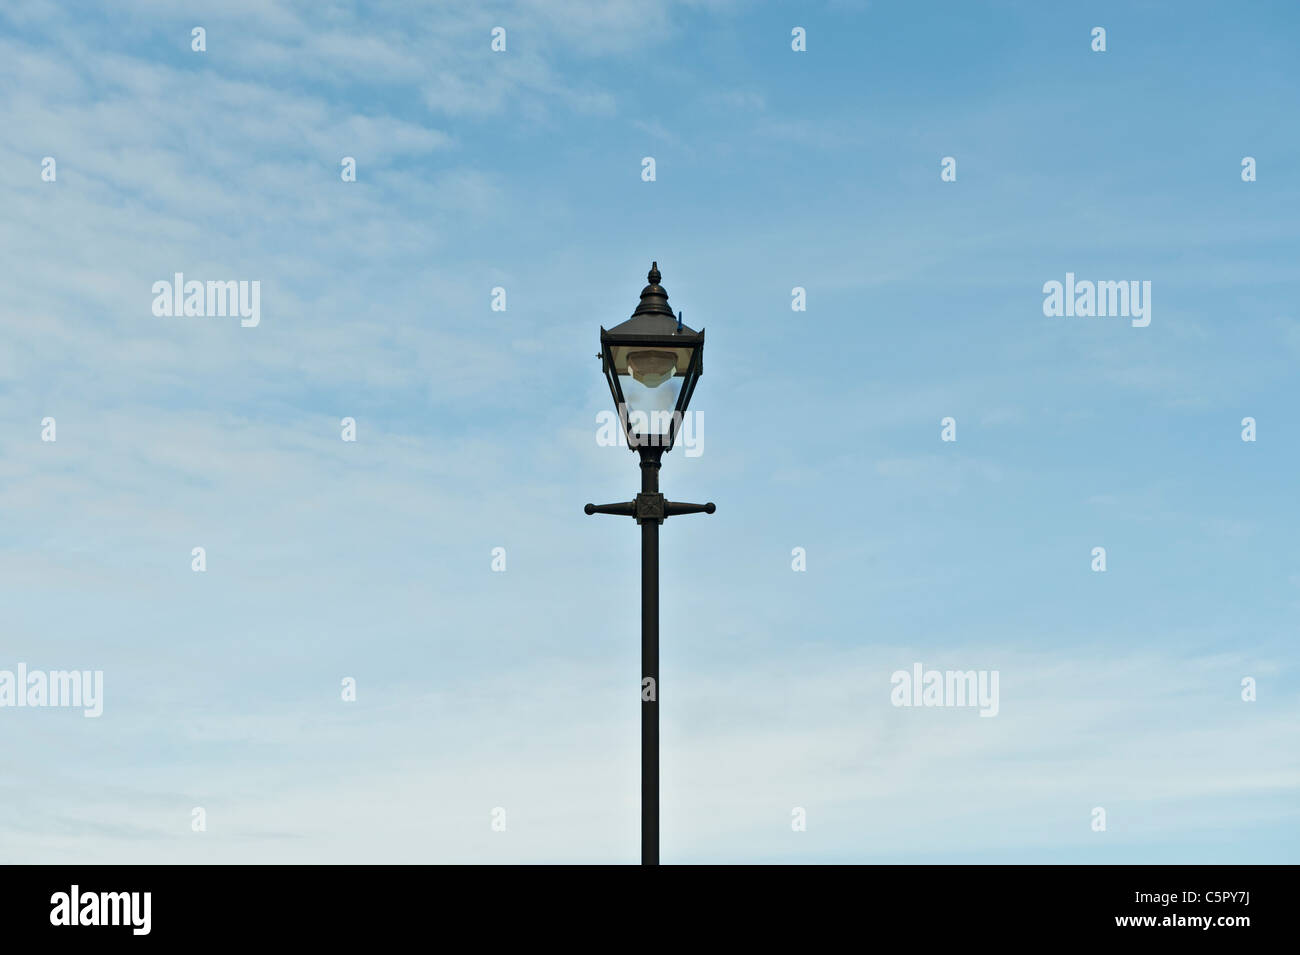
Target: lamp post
652	362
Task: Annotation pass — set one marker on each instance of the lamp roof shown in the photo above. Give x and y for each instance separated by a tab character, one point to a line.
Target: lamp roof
653	315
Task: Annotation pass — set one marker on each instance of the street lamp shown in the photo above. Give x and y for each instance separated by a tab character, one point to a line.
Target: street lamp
652	362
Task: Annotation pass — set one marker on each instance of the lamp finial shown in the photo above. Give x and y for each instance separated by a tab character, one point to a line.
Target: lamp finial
654	300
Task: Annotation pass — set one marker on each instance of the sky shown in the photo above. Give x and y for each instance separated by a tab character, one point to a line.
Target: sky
820	429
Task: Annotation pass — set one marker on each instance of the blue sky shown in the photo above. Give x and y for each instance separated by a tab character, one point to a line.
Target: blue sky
477	429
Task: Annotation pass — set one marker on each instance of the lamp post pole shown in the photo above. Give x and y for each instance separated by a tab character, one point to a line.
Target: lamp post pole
650	663
650	509
641	348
